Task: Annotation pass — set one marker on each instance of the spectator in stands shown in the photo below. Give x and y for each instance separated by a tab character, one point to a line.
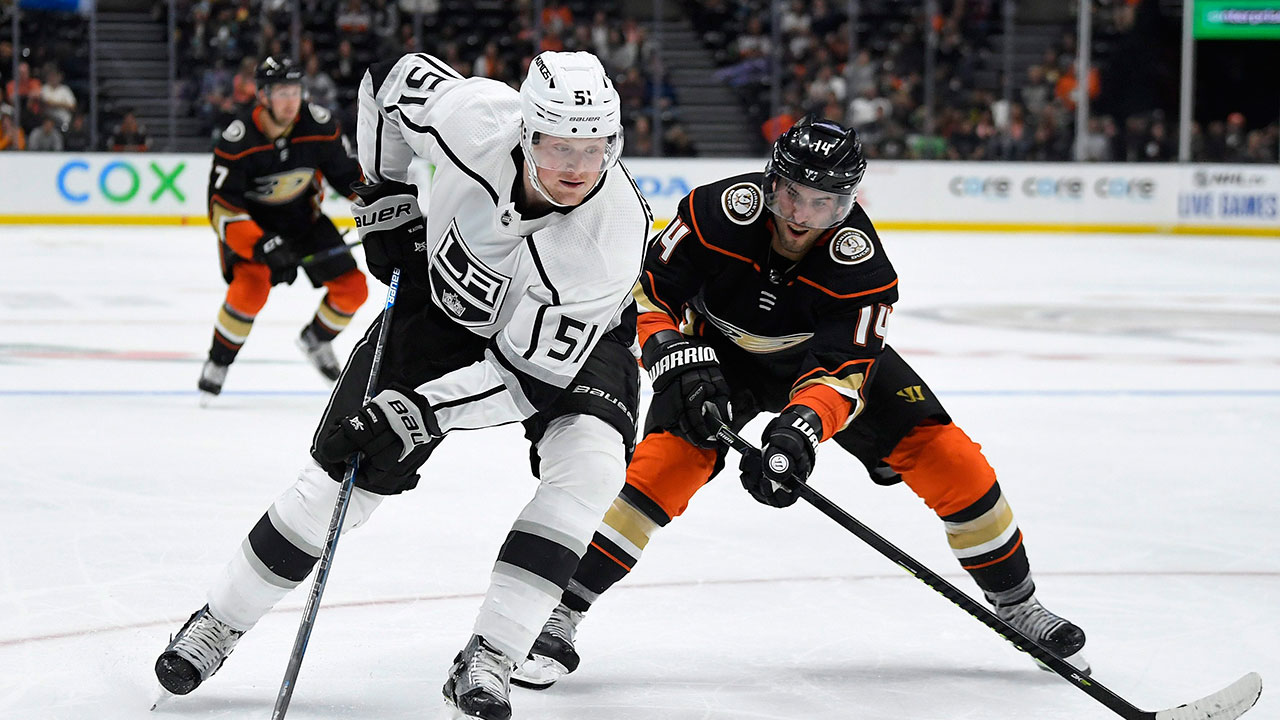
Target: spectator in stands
486	63
752	51
557	18
129	136
677	143
46	137
868	107
428	9
319	87
863	74
26	90
600	34
386	21
1066	91
1235	137
347	71
214	104
56	99
76	137
638	138
825	83
773	128
1036	92
244	87
1158	147
11	136
631	91
1097	146
6	62
224	34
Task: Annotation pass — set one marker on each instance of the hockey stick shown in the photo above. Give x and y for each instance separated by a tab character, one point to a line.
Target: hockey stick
1227	704
328	253
335	525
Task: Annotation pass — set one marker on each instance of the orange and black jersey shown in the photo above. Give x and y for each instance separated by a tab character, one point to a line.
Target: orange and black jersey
810	331
259	186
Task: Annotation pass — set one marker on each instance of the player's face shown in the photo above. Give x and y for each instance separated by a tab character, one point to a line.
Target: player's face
568	168
284	101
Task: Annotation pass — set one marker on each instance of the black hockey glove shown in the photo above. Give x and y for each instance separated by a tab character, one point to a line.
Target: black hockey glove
395	431
392	229
686	374
790	443
274	252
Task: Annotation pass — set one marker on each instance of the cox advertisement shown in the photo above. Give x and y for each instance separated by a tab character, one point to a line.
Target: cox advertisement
143	188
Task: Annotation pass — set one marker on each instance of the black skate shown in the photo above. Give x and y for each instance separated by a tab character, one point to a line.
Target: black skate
553	655
212	376
196	652
479	682
1056	634
319	353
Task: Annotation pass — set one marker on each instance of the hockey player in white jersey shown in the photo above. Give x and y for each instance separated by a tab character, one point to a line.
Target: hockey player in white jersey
515	305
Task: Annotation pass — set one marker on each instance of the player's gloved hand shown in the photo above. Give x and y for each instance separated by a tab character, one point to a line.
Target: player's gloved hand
396	423
789	446
686	374
274	252
392	230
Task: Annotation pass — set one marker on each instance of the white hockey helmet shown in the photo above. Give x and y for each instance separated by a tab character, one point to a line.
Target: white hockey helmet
568	95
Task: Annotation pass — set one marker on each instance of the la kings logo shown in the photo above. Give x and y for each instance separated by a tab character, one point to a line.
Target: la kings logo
463	286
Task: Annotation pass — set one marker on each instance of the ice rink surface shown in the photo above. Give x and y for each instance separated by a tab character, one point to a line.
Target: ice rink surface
1126	389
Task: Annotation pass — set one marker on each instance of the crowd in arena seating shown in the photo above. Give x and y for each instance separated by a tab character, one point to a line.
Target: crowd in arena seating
878	88
881	91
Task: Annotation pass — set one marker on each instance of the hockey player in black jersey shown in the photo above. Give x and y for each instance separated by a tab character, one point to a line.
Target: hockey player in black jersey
264	204
771	292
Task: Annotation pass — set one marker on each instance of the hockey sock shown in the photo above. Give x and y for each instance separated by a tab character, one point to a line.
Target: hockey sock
949	472
615	548
346	294
230	330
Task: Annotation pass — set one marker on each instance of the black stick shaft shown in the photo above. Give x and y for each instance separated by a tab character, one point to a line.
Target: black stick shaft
1093	688
335	526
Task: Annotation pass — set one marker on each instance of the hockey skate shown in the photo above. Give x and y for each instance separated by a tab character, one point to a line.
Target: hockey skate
553	655
479	682
1056	634
212	375
196	652
319	353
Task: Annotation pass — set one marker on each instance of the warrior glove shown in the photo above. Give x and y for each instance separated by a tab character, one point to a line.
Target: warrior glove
273	251
392	230
790	444
686	375
395	432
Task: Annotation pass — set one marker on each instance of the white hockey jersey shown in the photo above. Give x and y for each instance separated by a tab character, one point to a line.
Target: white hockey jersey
544	290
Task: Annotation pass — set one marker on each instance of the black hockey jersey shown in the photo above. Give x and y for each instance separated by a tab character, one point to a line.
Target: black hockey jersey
815	323
258	186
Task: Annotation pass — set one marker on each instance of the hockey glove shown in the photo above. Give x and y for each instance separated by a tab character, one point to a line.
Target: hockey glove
790	444
392	229
686	374
273	251
394	432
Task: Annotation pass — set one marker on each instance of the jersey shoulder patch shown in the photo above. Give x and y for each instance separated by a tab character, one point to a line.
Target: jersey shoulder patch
235	132
742	202
320	113
851	246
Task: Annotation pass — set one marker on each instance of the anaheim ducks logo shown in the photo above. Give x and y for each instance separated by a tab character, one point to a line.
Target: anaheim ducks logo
758	344
851	246
742	203
282	188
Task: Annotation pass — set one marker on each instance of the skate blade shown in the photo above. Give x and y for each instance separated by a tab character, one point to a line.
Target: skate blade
162	698
538	673
206	398
1076	661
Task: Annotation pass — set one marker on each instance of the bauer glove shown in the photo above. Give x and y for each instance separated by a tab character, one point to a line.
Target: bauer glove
395	432
789	446
392	230
686	375
273	251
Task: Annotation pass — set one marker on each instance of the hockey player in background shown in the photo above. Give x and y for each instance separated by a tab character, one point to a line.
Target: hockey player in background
771	293
515	304
264	204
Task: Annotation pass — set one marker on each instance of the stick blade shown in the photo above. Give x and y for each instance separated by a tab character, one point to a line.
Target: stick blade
1228	703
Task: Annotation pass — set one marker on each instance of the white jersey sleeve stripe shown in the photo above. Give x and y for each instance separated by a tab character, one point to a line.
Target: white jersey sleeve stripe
441	66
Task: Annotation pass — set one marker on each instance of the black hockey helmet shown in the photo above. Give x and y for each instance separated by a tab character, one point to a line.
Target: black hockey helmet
276	70
821	155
